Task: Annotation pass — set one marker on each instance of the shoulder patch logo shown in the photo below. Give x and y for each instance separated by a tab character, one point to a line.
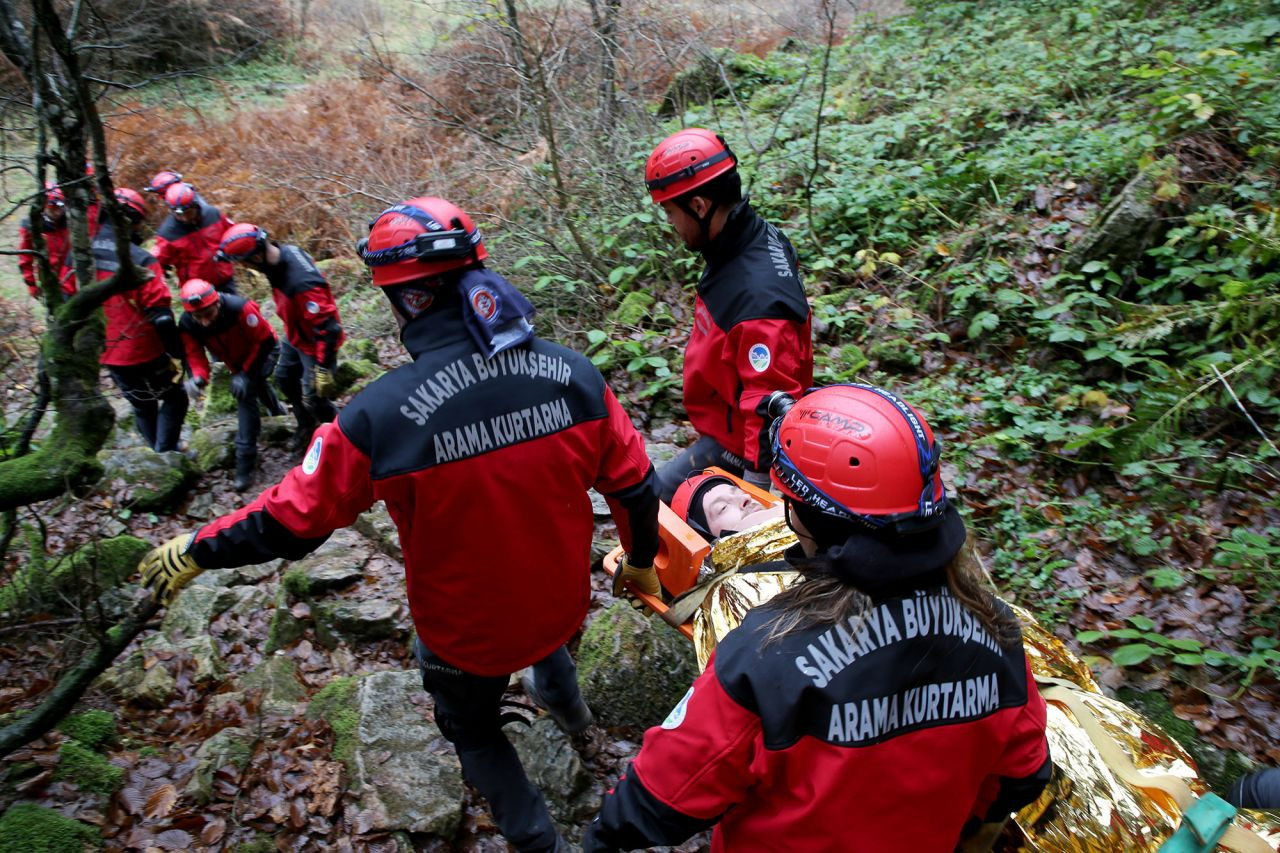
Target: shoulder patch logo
484	302
312	460
251	321
312	307
676	717
760	357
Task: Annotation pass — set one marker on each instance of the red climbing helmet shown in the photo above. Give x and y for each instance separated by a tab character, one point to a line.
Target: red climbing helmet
180	196
685	160
162	180
420	238
239	242
134	207
197	294
53	194
859	452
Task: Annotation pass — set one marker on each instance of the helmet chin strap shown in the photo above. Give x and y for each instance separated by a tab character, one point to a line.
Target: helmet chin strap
704	222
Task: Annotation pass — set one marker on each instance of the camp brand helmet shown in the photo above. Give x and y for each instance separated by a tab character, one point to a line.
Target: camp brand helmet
239	242
197	294
420	238
179	197
860	453
685	160
134	207
162	180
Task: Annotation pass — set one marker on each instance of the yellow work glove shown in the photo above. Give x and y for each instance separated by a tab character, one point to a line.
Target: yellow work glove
326	385
645	578
179	369
167	569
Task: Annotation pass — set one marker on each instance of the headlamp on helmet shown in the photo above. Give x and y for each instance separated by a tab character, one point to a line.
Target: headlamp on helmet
418	239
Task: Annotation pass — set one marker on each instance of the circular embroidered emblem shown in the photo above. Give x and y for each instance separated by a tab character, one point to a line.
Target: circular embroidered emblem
484	302
312	460
312	307
251	321
676	717
417	301
760	357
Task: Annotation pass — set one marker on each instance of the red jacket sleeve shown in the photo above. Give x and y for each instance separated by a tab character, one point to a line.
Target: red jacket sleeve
196	359
624	480
165	252
690	771
155	293
294	517
257	330
770	355
321	312
27	263
1022	769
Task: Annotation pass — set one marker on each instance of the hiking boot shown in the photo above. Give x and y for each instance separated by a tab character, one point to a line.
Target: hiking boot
572	721
300	439
245	466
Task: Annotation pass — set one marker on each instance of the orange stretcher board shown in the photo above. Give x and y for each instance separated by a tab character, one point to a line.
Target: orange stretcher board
681	551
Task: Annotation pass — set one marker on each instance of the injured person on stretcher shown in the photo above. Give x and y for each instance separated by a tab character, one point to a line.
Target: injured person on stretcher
1118	781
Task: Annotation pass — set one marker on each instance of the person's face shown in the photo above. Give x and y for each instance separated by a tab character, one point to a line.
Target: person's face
205	316
55	212
686	226
188	215
728	508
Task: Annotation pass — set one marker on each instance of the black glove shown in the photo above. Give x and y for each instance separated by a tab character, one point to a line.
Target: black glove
240	387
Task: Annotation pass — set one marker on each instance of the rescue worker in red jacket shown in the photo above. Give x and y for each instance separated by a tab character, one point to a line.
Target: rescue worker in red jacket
234	330
751	322
883	703
57	242
188	239
488	429
309	356
144	353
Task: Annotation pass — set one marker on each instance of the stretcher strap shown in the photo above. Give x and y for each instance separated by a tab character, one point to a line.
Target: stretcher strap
1235	839
684	605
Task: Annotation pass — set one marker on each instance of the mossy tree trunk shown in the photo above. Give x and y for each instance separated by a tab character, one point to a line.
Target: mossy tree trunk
41	46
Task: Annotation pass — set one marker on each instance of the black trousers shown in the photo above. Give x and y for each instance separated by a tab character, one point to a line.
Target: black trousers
159	405
703	453
469	716
296	376
248	415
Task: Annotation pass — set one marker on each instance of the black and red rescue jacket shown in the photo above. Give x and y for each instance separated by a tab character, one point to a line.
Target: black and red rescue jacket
751	335
239	337
484	466
305	305
57	242
190	249
140	324
885	732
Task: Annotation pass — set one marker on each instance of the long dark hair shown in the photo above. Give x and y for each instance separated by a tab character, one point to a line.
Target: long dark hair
824	598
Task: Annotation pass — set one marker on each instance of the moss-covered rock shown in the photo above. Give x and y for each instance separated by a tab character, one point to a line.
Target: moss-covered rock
633	670
217	396
92	728
57	585
711	77
277	678
356	621
336	704
30	828
354	373
286	628
214	448
897	354
87	769
151	481
230	746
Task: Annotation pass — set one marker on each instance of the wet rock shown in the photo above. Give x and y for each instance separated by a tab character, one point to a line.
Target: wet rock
599	506
660	453
405	774
555	768
136	683
149	480
191	612
633	670
1130	224
376	524
230	746
337	563
353	622
287	627
213	448
277	678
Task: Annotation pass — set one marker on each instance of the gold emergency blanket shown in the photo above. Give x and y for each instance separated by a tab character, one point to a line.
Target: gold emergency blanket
1085	807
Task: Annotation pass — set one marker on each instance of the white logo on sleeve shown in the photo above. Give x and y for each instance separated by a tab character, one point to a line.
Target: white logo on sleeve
676	717
312	307
251	321
760	357
312	460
